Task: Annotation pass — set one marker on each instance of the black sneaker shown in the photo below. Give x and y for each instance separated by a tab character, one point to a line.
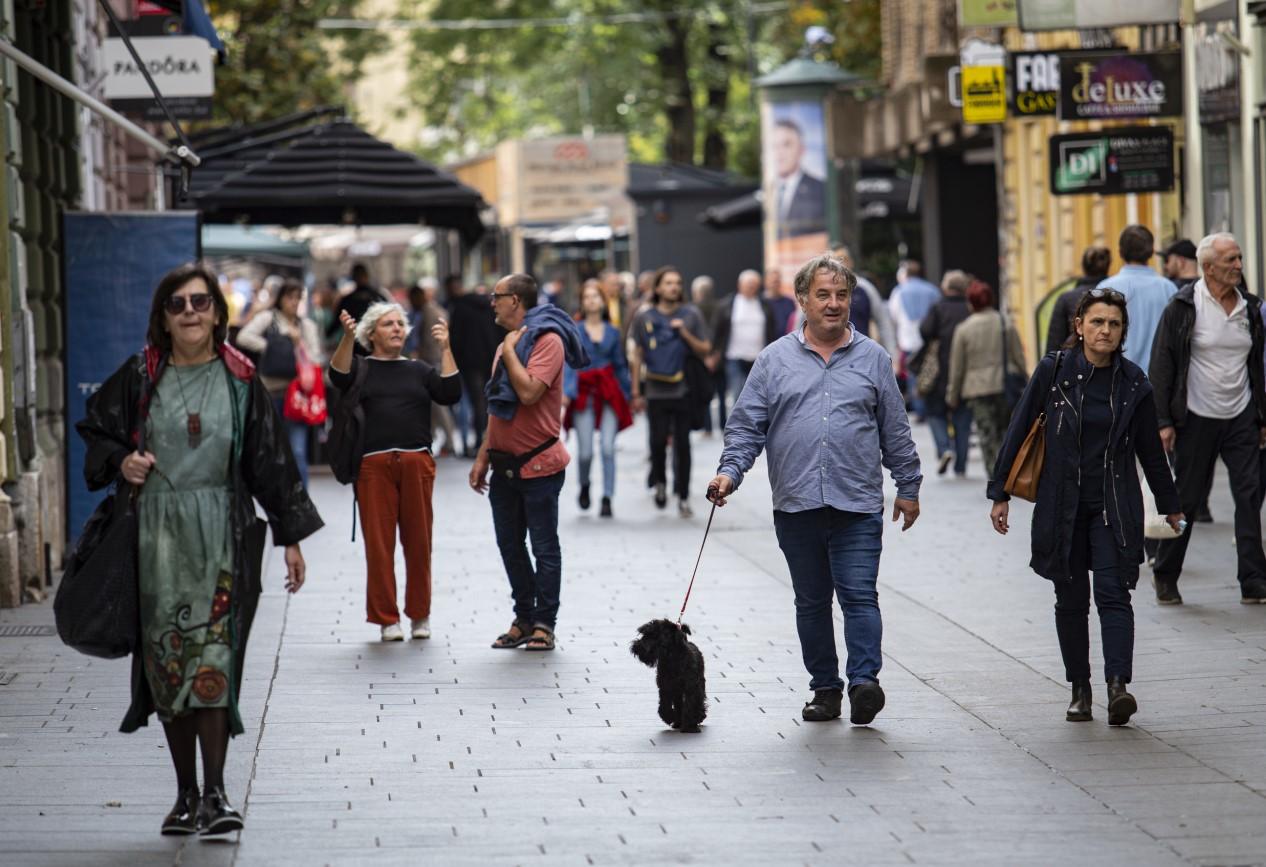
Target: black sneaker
583	501
606	508
865	701
1253	592
824	707
661	495
1166	591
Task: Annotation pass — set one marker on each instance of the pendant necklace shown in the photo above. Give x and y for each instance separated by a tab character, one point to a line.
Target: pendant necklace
193	420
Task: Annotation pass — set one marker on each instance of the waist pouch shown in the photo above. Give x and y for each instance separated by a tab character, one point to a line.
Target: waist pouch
508	464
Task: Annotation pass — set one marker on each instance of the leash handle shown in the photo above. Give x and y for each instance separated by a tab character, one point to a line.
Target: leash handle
698	560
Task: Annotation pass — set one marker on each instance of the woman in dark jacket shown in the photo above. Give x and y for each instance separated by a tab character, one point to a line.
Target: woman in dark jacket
214	445
1099	415
951	428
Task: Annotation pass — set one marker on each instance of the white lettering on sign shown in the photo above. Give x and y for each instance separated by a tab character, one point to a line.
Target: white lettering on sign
1037	72
179	65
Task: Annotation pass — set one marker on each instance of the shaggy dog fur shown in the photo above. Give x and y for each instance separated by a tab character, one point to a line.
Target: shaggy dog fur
678	668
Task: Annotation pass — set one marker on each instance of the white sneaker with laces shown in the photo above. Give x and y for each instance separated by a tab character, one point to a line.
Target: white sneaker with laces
421	627
392	632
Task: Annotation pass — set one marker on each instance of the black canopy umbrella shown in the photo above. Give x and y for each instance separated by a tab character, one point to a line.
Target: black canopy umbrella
295	171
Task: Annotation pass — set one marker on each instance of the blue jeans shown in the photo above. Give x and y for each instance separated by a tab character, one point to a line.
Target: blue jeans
582	421
297	432
958	443
736	371
523	508
834	553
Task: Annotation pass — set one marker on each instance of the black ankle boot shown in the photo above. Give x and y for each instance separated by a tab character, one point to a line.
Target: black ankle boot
584	501
183	818
217	815
1079	710
606	507
1121	705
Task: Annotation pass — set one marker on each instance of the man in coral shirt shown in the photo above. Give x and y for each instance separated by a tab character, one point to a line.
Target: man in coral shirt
526	455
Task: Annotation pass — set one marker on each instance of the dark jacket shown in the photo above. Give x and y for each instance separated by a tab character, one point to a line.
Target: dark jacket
473	332
1061	325
721	324
1171	357
262	468
1134	432
940	323
355	303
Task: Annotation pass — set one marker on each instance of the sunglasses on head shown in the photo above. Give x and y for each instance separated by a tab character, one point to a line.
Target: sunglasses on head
199	301
1112	294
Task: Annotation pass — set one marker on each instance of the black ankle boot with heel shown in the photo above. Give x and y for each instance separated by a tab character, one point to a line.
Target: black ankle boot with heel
1121	705
1080	709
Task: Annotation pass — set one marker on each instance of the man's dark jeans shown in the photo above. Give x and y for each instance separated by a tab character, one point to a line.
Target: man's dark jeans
1094	549
523	508
833	553
671	416
1201	441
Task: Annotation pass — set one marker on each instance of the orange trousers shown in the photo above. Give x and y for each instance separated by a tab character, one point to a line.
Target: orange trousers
394	490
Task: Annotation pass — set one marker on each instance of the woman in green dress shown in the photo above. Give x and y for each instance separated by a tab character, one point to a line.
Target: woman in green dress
215	445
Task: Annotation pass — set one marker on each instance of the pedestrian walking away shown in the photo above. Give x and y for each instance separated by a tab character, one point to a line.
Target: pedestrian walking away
951	427
1099	415
396	473
1207	371
288	345
910	301
745	323
597	396
703	296
1146	293
977	377
526	456
216	446
1095	263
664	335
827	480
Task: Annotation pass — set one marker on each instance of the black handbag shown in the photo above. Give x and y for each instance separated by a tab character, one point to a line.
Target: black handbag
1013	383
278	358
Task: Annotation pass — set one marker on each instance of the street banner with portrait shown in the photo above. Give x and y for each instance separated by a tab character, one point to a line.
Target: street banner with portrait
794	162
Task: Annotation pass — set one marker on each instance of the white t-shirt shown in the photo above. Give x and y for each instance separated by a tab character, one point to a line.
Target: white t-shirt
1217	379
747	329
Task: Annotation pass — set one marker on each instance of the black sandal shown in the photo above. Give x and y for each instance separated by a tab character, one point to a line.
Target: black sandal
542	641
508	639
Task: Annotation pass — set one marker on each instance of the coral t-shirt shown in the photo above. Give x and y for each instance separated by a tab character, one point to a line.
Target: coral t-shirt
533	425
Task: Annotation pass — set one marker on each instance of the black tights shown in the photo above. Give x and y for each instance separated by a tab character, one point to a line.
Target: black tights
208	727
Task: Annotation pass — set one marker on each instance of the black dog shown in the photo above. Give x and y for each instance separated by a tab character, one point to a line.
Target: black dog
678	668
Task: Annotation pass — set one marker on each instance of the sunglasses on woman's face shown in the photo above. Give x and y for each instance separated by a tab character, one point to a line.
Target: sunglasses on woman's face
199	301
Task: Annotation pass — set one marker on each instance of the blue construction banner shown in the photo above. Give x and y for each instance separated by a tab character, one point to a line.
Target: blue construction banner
112	264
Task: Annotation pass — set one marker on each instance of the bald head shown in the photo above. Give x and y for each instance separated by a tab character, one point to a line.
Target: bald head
749	283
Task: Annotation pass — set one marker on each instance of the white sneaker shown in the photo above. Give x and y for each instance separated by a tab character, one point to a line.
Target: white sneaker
421	627
392	632
684	510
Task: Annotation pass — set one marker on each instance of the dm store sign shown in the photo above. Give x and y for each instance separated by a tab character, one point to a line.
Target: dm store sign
1113	85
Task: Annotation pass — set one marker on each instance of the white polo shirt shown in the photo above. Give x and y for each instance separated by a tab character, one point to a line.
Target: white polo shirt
1217	379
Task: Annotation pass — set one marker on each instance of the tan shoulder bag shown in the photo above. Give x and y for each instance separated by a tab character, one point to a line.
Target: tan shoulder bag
1026	469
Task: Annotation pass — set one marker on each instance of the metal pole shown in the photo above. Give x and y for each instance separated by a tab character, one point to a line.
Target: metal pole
55	81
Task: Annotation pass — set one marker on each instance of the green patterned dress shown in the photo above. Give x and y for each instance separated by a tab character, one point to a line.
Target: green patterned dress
186	554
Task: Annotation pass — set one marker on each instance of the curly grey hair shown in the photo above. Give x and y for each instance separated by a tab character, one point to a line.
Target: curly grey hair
369	321
822	262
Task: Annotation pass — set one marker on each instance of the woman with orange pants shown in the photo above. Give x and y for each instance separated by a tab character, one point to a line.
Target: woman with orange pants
397	471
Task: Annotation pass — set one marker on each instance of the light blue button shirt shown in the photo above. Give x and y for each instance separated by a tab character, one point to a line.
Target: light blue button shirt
1146	295
825	428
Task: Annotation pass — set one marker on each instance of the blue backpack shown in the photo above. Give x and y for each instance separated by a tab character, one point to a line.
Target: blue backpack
663	349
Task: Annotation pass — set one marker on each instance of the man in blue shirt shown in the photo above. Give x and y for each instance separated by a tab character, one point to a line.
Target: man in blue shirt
824	404
1146	292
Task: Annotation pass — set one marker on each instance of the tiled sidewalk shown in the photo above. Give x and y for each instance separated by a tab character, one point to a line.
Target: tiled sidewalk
447	752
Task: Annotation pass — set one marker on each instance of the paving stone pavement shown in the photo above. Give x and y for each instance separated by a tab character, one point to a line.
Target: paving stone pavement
447	752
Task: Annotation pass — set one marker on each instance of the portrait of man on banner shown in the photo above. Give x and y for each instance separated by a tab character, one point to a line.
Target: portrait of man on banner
794	157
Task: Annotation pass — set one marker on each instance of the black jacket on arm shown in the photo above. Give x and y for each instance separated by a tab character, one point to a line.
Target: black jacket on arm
1134	433
1171	357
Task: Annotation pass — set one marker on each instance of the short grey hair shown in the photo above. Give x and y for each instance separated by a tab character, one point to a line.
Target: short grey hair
823	262
1204	251
749	274
701	284
956	281
369	321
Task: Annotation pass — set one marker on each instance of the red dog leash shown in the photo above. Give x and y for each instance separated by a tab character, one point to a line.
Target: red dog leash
699	559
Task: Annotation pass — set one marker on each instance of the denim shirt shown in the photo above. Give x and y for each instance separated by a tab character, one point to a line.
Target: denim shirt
608	352
826	427
1146	294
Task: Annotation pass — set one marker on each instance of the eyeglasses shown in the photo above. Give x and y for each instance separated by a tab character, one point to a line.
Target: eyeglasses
199	301
1110	294
501	294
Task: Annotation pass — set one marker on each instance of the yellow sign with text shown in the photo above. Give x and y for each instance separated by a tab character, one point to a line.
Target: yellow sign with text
984	94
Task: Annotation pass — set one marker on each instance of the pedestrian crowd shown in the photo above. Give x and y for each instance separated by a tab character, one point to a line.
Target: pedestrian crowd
1160	372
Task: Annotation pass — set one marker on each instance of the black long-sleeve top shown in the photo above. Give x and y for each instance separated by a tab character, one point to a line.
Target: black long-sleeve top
396	400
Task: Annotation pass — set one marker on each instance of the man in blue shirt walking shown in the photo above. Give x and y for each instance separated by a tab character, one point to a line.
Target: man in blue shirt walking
824	405
1146	292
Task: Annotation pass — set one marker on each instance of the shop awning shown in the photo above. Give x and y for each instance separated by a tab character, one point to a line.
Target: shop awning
229	240
306	170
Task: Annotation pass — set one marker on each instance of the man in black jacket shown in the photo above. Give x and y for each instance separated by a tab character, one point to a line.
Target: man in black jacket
475	335
1095	263
357	302
1207	371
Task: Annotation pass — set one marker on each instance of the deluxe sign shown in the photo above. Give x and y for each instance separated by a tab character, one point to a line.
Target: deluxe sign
1106	85
1113	162
179	65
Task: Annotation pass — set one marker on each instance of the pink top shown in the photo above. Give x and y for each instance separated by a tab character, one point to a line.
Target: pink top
533	425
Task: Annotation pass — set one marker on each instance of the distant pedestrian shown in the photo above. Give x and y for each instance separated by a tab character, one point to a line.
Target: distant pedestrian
1178	262
1146	292
475	336
214	447
364	294
1211	401
784	307
397	471
526	456
910	301
613	295
425	313
663	336
703	296
597	396
745	324
878	325
1100	416
827	481
977	379
951	426
1095	263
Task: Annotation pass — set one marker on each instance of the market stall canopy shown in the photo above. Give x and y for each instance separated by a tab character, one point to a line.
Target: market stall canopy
307	170
228	240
